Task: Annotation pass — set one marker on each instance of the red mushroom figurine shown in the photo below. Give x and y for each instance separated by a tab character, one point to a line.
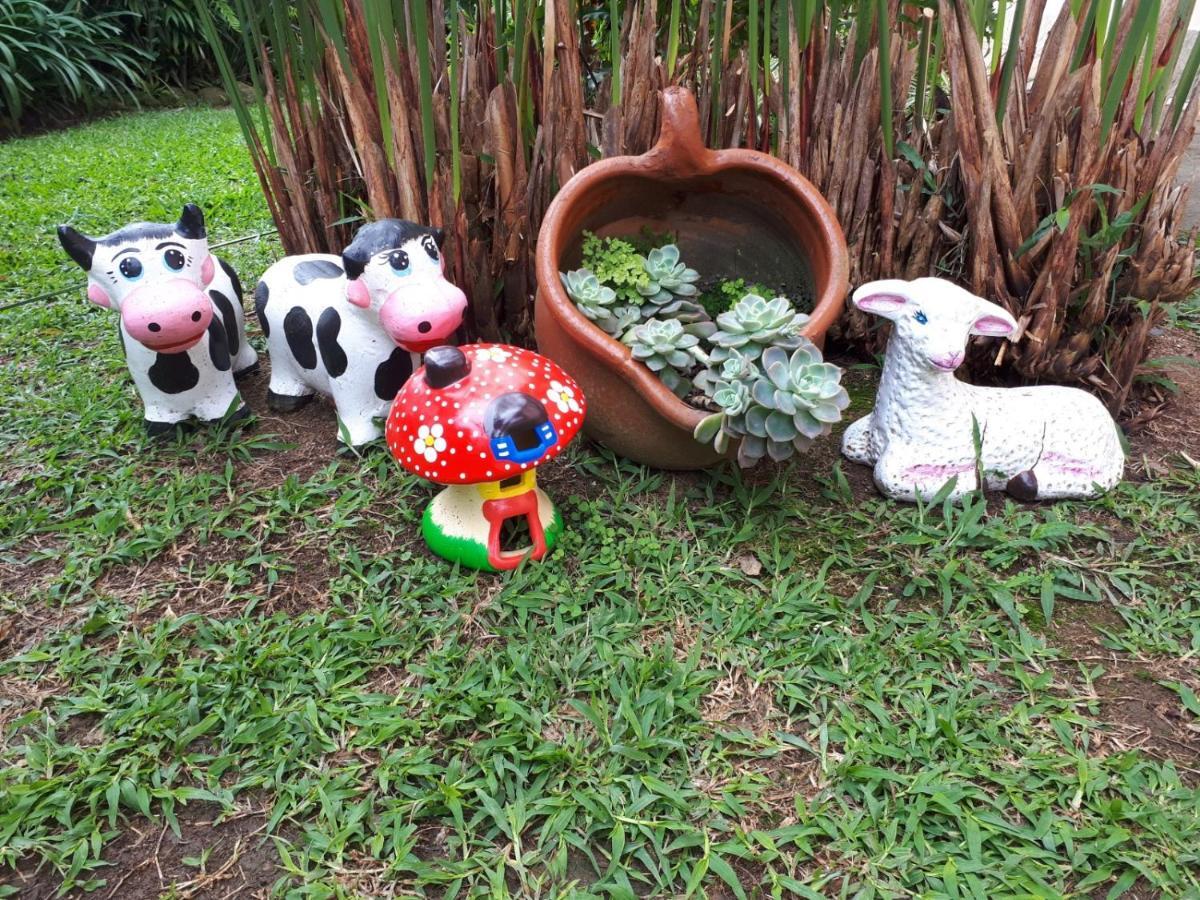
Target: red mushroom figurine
480	419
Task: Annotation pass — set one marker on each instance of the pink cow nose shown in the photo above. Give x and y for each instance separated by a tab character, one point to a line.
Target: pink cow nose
423	315
169	317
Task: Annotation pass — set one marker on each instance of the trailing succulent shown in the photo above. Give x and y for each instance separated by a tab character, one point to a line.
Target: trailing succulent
771	388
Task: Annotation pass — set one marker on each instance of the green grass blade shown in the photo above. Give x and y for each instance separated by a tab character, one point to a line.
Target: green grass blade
672	37
1010	60
420	38
1143	18
886	116
1187	80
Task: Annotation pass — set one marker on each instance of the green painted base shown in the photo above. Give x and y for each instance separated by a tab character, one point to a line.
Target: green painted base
454	527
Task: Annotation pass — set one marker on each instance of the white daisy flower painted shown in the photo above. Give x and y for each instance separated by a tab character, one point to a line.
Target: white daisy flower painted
562	397
495	354
429	442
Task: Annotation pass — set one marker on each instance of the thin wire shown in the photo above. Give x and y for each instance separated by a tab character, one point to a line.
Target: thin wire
53	295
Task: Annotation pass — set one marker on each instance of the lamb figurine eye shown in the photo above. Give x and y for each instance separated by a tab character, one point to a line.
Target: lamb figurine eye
398	260
921	318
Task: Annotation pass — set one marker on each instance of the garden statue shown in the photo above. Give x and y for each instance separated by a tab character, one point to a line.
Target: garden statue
480	419
354	327
1038	443
182	356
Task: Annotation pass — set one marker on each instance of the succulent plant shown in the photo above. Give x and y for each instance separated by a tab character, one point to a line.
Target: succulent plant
754	324
775	406
598	301
667	277
666	349
593	298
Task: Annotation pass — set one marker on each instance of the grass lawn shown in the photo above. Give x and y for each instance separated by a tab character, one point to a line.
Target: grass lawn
228	664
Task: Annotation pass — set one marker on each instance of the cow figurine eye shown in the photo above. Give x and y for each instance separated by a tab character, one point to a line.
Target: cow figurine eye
398	260
921	318
174	259
430	246
131	268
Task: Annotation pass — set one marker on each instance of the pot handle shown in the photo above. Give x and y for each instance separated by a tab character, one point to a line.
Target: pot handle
680	146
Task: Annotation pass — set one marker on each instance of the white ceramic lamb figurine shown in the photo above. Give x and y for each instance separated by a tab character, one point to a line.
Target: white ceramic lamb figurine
1038	443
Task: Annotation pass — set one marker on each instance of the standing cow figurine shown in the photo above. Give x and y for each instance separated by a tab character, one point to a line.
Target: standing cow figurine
166	286
354	328
1038	443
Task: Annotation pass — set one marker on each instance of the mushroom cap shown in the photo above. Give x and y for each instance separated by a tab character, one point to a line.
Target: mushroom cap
511	411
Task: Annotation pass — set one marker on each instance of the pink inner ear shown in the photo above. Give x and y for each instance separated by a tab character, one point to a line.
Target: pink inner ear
881	303
97	295
993	326
207	270
357	293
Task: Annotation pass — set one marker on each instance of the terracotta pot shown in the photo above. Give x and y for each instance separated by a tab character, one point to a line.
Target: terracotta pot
736	214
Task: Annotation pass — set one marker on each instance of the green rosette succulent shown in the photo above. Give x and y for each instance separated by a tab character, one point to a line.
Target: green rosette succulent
668	291
592	298
799	398
667	277
598	301
792	400
667	350
755	323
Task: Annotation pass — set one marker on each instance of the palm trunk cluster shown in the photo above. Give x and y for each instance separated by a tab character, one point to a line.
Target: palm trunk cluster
1042	180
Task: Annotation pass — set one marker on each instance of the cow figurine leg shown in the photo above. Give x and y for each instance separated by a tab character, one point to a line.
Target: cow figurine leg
353	327
181	325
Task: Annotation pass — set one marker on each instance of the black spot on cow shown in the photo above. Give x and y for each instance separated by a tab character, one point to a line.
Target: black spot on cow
391	374
237	284
218	345
174	373
228	319
332	354
261	294
298	329
310	270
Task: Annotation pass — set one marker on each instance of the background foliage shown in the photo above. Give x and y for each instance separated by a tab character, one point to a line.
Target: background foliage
1046	186
66	57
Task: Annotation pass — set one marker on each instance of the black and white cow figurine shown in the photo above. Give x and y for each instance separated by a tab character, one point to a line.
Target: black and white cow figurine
166	286
354	328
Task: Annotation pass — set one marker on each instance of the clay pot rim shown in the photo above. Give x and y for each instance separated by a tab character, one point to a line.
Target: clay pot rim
680	126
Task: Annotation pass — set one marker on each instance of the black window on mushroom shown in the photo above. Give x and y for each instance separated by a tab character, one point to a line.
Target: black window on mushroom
519	428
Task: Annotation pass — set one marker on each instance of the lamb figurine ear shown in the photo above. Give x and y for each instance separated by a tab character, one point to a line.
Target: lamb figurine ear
993	321
883	298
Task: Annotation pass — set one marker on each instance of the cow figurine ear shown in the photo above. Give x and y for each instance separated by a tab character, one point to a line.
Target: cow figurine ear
439	236
78	246
883	298
191	223
994	321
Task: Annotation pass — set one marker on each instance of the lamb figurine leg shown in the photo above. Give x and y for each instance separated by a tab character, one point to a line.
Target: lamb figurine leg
1038	443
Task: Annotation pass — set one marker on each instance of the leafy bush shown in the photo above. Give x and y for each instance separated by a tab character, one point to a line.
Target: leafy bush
70	56
73	55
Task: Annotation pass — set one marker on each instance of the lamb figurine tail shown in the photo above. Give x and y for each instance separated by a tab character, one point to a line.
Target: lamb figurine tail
1038	443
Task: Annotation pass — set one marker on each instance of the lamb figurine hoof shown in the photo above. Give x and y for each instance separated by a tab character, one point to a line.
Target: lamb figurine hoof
181	322
1037	443
354	327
